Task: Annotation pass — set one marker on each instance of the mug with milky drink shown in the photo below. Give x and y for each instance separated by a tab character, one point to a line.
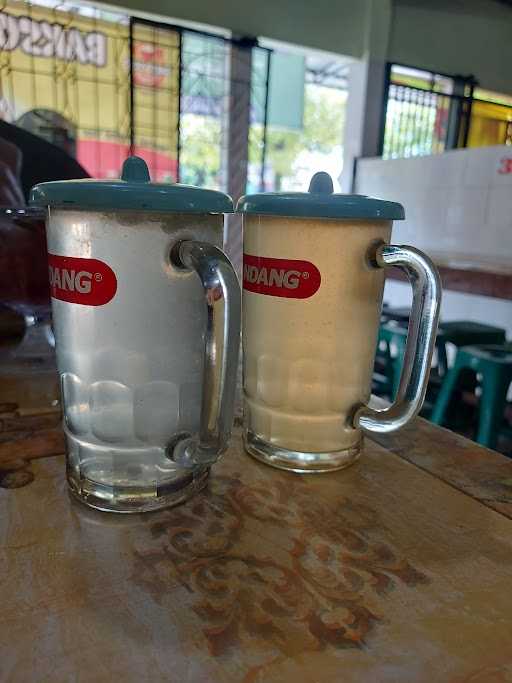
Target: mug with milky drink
313	279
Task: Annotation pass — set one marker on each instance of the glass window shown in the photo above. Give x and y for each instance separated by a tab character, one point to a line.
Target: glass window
305	122
204	97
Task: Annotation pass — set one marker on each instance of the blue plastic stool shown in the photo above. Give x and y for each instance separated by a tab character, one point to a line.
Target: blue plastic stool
493	366
465	333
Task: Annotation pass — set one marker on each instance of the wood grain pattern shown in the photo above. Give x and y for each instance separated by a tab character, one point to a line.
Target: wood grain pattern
481	473
31	445
15	422
320	583
381	572
24	438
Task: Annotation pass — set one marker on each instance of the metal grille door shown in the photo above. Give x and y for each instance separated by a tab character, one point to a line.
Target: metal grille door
425	113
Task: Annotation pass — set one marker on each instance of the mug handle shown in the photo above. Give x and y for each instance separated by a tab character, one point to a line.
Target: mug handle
222	340
421	338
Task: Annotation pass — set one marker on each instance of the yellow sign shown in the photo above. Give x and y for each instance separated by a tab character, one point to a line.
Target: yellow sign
77	68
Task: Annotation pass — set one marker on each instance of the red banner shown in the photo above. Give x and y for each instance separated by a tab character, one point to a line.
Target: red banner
81	280
280	277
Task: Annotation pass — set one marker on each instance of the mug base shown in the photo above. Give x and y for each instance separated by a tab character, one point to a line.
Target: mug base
133	500
297	461
127	479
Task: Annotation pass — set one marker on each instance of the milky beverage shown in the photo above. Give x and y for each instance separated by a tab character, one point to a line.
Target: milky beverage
311	306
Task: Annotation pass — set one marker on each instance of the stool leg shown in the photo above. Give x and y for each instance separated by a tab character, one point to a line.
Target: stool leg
390	370
492	406
445	394
397	365
442	360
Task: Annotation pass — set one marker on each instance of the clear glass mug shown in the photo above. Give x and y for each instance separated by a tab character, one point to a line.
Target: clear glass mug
312	294
146	315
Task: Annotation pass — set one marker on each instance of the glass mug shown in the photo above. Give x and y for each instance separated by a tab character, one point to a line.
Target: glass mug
313	279
146	315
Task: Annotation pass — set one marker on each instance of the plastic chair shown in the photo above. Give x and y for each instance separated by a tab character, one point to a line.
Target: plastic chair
391	350
465	333
392	337
493	367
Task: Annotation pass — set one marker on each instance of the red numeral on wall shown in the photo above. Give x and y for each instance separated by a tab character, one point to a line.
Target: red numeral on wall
506	165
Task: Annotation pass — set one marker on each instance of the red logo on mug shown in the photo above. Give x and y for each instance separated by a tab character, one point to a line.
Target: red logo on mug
85	281
280	277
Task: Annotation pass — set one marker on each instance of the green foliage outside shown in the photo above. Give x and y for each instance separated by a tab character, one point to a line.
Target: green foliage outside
200	151
324	120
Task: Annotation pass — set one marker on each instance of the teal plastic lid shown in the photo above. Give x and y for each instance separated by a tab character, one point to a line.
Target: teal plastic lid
320	202
133	191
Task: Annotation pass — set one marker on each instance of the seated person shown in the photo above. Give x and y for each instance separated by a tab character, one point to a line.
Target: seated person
39	162
11	193
25	160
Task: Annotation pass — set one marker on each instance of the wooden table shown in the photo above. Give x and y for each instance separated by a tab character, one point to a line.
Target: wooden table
469	274
397	569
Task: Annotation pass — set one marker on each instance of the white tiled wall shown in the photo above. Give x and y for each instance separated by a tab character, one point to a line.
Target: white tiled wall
454	202
458	203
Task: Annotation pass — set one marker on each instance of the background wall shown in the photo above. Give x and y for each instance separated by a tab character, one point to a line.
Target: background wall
459	202
455	37
457	205
338	27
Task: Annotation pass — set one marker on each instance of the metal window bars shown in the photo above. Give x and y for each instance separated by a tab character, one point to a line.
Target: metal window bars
427	113
103	85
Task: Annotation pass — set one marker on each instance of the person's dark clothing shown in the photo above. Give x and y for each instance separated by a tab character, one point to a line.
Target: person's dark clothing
41	160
